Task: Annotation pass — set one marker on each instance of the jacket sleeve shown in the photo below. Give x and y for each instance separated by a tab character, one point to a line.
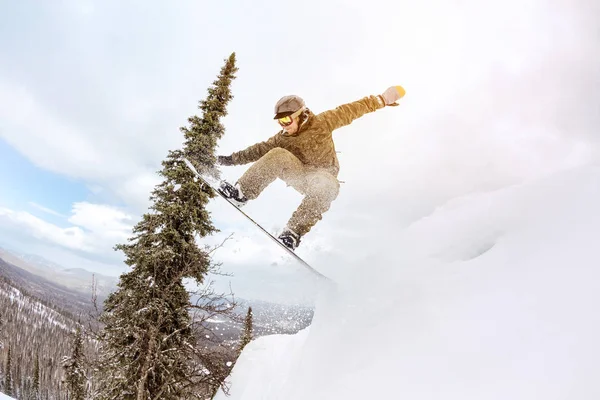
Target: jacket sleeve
346	113
255	151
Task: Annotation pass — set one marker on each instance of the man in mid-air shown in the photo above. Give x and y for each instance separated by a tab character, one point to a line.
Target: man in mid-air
302	154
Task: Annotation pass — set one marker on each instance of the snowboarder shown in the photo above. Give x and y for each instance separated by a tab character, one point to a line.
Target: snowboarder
302	154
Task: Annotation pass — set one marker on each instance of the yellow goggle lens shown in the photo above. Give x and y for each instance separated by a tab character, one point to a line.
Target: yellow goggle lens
285	120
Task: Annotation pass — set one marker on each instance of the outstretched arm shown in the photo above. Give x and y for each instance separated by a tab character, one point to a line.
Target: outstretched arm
251	153
346	113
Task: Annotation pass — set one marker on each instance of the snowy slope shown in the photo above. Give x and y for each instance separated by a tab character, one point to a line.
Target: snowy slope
5	397
493	296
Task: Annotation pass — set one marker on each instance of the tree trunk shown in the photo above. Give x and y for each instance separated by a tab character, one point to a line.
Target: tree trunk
141	390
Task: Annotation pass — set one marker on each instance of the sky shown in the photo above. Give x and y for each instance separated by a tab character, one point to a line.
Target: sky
92	95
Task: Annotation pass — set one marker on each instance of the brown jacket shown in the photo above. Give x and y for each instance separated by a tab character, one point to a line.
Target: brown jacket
313	143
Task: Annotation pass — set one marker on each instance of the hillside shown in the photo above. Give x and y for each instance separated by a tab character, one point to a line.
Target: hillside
48	292
31	327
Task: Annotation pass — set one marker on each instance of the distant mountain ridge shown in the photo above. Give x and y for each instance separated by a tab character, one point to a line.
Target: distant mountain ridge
78	279
38	261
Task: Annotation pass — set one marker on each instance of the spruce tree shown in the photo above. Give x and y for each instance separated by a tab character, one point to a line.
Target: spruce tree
149	344
8	378
247	334
75	377
36	377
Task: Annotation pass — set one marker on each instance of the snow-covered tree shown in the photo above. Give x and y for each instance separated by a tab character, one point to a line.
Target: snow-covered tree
149	342
74	366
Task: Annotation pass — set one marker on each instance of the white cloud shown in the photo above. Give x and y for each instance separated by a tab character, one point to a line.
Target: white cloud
95	228
108	221
79	152
71	237
49	142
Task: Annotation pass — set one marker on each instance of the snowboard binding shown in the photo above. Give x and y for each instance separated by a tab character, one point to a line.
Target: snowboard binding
289	238
233	193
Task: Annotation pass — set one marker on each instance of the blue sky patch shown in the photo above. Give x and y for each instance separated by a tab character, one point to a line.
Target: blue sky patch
23	183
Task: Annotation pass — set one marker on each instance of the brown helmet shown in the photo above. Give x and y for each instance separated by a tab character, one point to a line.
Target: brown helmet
288	105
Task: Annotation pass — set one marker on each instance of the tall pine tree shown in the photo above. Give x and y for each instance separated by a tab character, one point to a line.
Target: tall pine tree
36	377
8	377
149	344
75	377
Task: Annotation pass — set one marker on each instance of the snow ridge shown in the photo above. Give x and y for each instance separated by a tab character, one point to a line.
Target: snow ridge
492	296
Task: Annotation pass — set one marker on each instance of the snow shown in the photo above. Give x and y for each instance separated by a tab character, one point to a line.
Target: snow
5	397
492	296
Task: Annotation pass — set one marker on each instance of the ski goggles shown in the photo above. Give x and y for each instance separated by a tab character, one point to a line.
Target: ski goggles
289	119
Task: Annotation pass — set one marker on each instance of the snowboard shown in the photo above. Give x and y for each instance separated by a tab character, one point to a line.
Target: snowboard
213	183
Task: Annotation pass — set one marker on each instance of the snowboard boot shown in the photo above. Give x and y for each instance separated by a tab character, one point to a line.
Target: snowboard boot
289	238
233	193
